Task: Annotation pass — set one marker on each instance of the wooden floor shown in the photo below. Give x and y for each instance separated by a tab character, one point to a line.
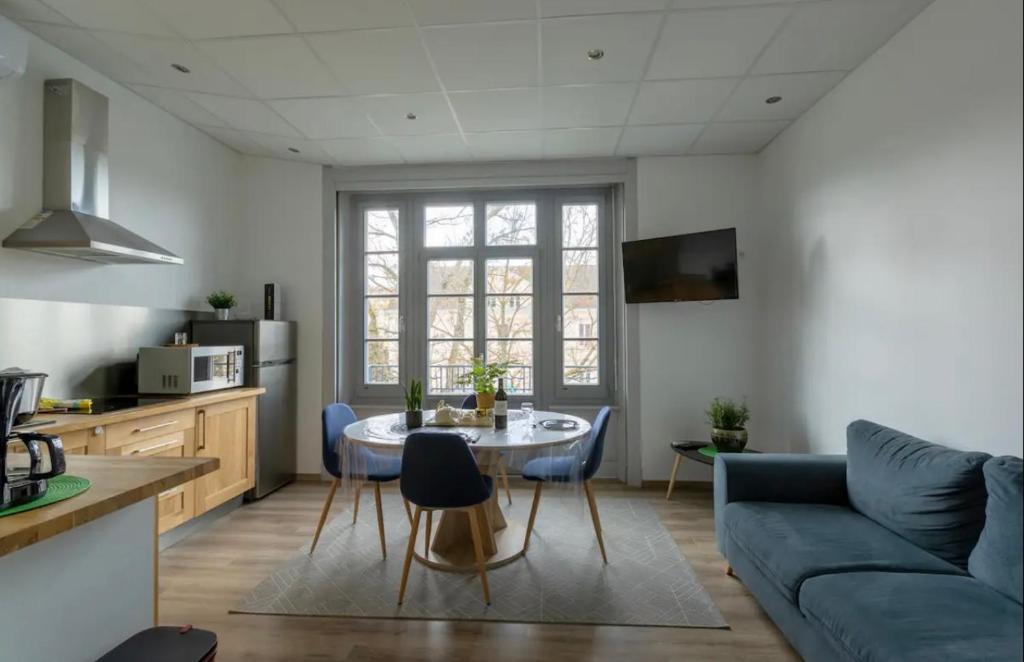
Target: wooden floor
205	575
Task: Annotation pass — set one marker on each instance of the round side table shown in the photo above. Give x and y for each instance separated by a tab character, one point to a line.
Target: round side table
698	451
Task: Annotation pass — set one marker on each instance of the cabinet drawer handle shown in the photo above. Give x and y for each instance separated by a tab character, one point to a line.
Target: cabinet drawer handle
166	444
154	427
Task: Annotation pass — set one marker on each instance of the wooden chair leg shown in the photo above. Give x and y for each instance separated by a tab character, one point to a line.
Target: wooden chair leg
478	549
323	514
408	553
533	514
355	504
594	516
408	510
672	479
380	519
426	541
503	471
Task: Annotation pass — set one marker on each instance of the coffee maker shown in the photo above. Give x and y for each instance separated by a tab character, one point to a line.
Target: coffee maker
20	485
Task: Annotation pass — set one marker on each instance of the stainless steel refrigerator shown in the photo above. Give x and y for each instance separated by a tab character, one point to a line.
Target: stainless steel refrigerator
270	349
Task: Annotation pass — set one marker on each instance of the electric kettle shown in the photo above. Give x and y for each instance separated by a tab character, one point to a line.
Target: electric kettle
19	485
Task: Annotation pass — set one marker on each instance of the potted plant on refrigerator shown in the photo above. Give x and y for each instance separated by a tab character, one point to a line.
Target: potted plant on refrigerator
414	404
483	377
727	420
222	302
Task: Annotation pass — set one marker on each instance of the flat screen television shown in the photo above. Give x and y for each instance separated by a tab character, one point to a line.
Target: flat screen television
688	267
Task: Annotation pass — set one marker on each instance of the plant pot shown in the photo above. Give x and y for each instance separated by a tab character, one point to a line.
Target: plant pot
414	419
485	401
729	441
222	313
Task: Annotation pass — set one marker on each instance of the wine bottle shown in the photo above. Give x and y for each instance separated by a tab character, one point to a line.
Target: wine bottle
500	407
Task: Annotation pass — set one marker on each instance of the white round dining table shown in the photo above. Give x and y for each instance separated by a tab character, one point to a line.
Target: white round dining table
451	546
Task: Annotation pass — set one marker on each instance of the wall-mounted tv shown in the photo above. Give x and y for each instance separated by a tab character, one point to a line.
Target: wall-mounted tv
688	267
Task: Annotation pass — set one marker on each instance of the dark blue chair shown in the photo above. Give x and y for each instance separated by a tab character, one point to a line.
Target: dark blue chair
470	403
379	468
439	472
565	469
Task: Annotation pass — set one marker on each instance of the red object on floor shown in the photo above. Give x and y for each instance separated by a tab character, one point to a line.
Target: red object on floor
166	644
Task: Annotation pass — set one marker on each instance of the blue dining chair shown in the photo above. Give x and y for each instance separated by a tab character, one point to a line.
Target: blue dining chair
470	403
439	472
564	469
379	468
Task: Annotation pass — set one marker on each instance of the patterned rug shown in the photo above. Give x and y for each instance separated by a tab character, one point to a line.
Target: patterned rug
647	582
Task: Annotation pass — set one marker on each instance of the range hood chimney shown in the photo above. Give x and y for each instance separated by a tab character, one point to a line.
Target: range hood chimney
74	222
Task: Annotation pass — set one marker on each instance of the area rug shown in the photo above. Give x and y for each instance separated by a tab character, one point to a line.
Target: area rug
562	579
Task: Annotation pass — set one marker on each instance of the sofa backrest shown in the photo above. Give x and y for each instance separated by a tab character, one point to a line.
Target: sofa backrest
996	560
929	494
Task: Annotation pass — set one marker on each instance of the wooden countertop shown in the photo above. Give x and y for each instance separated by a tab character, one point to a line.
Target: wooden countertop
72	422
117	482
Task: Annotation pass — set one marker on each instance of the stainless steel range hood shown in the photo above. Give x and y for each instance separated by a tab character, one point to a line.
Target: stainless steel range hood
74	222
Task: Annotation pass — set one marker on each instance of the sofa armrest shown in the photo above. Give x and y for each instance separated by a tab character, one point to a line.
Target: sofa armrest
788	478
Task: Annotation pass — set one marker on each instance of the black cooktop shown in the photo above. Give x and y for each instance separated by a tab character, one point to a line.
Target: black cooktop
118	402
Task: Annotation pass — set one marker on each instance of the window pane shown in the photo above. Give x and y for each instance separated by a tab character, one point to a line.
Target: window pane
519	356
580	316
511	224
579	362
448	362
450	317
579	271
382	273
448	226
381	230
579	226
510	276
381	362
450	277
382	317
510	317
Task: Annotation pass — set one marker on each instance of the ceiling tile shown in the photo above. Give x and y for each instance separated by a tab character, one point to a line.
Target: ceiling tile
835	35
326	15
202	19
326	118
798	91
280	147
711	4
178	104
736	137
362	151
476	57
444	12
31	10
432	149
273	67
647	140
498	110
122	15
586	105
155	56
389	114
83	46
681	101
625	39
245	114
506	145
580	143
236	140
707	44
578	7
377	61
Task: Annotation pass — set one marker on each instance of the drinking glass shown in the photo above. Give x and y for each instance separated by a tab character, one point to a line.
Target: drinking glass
527	408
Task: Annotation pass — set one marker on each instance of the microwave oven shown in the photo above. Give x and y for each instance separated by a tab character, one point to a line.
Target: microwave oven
185	370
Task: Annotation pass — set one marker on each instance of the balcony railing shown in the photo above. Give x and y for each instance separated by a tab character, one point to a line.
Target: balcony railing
444	379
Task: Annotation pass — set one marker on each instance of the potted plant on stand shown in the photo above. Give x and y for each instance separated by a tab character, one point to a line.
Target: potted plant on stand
414	405
483	377
222	303
727	420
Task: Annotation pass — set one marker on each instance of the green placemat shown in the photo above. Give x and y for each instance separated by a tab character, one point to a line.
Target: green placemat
709	451
58	489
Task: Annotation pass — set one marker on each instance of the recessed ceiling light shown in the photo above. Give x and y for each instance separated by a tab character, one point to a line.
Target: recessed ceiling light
410	116
180	67
595	54
294	151
773	99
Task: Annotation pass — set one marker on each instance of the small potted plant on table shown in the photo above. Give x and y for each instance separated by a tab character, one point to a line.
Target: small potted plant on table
222	302
414	405
727	420
483	377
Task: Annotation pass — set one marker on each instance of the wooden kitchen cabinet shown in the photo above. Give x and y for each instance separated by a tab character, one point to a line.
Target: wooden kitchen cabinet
176	505
226	431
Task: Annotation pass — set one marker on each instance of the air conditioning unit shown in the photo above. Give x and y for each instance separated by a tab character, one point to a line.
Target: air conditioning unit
13	49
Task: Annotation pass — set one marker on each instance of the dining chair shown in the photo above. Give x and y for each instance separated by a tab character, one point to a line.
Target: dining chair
439	472
565	469
379	468
470	403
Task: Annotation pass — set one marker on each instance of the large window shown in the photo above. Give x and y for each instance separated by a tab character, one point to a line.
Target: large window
519	277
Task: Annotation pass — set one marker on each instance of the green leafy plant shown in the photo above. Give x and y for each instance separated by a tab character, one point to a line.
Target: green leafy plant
483	376
221	299
414	395
725	414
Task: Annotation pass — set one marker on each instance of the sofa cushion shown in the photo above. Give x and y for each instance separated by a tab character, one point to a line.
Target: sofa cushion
931	495
790	542
910	616
997	558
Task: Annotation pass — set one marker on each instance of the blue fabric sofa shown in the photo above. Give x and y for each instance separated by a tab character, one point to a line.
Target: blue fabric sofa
899	550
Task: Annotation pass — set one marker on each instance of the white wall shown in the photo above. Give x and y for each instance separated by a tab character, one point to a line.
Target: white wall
168	182
893	230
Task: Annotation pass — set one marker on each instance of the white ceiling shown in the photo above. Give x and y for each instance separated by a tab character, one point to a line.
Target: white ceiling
485	79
